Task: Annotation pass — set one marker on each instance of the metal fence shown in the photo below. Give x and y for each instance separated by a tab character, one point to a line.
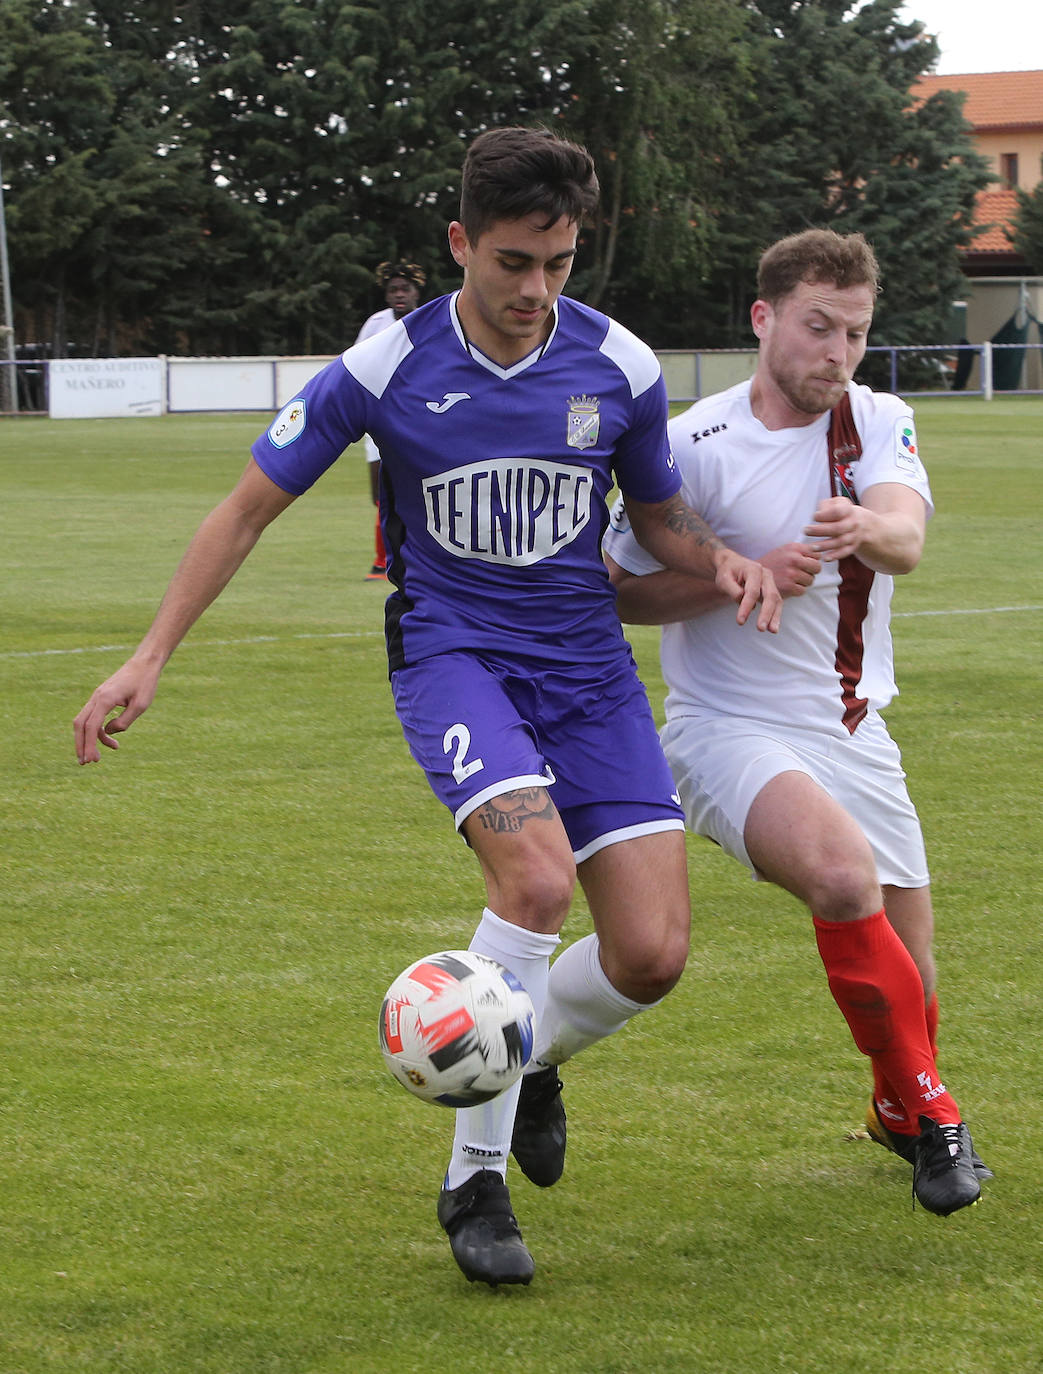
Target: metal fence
985	369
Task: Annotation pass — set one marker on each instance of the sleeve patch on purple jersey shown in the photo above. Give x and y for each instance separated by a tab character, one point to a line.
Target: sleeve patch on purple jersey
288	424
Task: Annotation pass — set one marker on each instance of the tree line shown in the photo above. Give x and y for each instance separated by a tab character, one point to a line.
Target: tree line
220	179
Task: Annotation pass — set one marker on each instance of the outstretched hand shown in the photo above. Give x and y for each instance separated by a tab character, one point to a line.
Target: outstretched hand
129	692
747	583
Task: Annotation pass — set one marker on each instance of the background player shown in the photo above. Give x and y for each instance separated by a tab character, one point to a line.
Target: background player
503	414
402	283
777	744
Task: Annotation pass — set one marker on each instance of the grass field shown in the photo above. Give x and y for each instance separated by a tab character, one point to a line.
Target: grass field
205	1168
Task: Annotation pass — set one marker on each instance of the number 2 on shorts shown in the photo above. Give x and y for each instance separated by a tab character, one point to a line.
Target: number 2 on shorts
460	736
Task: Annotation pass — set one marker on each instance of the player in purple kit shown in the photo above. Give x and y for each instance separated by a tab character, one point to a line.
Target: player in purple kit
503	414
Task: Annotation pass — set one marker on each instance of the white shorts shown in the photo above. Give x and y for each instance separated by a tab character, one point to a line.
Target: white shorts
720	764
372	452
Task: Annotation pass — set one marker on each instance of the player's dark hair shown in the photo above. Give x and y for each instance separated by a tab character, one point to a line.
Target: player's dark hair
408	271
513	172
818	255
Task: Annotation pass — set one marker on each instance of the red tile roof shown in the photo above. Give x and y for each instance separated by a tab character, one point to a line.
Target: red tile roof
995	208
995	100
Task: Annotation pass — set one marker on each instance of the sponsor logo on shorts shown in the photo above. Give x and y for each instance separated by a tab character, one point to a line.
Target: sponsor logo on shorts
506	510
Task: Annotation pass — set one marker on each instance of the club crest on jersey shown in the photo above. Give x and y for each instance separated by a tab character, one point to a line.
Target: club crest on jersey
844	481
584	423
843	477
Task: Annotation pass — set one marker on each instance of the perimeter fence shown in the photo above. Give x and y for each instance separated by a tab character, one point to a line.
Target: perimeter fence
84	388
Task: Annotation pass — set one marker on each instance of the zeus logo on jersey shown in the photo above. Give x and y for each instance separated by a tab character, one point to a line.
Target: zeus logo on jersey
507	511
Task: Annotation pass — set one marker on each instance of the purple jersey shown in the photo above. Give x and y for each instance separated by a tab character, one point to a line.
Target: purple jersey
494	481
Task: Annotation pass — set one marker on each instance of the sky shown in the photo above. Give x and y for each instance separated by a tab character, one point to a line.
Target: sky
982	35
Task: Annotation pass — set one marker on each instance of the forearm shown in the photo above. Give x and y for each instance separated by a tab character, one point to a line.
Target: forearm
216	552
220	544
676	536
892	543
664	597
885	532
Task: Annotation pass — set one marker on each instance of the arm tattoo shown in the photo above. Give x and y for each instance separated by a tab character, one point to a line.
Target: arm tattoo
682	520
507	813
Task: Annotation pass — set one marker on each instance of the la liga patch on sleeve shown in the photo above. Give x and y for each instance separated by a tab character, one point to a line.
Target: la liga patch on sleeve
288	424
907	455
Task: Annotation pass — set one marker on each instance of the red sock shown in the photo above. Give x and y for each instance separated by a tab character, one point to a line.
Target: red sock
932	1023
888	1103
875	983
380	557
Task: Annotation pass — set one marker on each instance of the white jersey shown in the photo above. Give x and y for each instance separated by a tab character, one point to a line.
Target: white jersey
377	323
757	488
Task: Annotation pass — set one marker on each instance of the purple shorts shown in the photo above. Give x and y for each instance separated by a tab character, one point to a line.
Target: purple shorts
480	726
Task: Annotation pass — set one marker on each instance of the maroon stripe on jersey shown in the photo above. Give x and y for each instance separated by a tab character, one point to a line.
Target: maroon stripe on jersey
856	580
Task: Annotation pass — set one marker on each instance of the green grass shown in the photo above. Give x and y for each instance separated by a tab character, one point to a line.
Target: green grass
205	1168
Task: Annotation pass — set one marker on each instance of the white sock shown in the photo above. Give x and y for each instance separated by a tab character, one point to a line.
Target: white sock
582	1005
483	1134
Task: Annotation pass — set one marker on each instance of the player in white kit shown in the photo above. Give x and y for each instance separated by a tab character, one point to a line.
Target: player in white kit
776	742
504	413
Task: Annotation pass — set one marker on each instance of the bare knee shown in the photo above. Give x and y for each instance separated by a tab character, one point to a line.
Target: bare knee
646	970
536	895
840	889
526	859
541	899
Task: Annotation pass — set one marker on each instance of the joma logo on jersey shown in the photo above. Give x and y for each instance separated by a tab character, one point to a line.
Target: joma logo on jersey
507	511
584	423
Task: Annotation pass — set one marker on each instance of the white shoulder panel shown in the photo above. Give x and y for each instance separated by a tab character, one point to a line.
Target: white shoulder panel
374	361
634	359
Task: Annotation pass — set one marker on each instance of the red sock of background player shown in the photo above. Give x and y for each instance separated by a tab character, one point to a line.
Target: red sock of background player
380	556
888	1103
877	986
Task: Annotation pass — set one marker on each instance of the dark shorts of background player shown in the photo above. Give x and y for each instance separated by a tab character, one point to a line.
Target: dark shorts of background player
481	725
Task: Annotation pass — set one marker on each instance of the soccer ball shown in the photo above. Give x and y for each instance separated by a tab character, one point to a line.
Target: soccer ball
456	1028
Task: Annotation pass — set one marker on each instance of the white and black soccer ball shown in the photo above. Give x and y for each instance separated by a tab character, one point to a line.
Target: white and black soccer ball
456	1028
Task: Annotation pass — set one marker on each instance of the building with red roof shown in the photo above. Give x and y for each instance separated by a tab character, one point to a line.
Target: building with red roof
1005	111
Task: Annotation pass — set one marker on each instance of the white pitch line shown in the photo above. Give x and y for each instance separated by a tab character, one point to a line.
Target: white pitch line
985	610
373	634
193	644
